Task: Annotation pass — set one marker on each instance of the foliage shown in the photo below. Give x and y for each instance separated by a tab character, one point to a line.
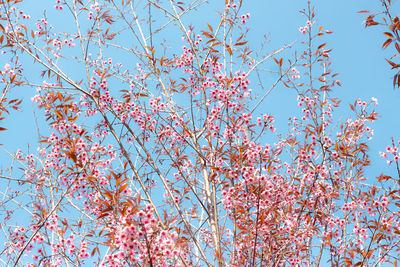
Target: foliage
391	24
172	161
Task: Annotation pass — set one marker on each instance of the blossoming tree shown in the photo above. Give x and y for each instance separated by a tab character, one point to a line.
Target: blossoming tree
155	151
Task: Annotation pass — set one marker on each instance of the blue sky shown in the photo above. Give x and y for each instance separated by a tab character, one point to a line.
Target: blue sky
357	57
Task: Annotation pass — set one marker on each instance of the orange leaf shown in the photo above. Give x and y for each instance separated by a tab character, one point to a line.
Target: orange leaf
207	34
241	43
229	49
388	34
397	47
391	63
321	46
386	43
398	80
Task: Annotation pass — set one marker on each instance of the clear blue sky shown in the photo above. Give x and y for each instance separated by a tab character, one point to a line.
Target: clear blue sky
357	56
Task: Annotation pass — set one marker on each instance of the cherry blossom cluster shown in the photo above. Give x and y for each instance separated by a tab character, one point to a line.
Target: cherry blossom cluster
244	18
41	26
157	105
186	58
266	120
281	192
295	74
7	70
16	241
60	43
94	9
304	29
198	39
23	15
231	5
393	152
138	239
58	5
12	72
